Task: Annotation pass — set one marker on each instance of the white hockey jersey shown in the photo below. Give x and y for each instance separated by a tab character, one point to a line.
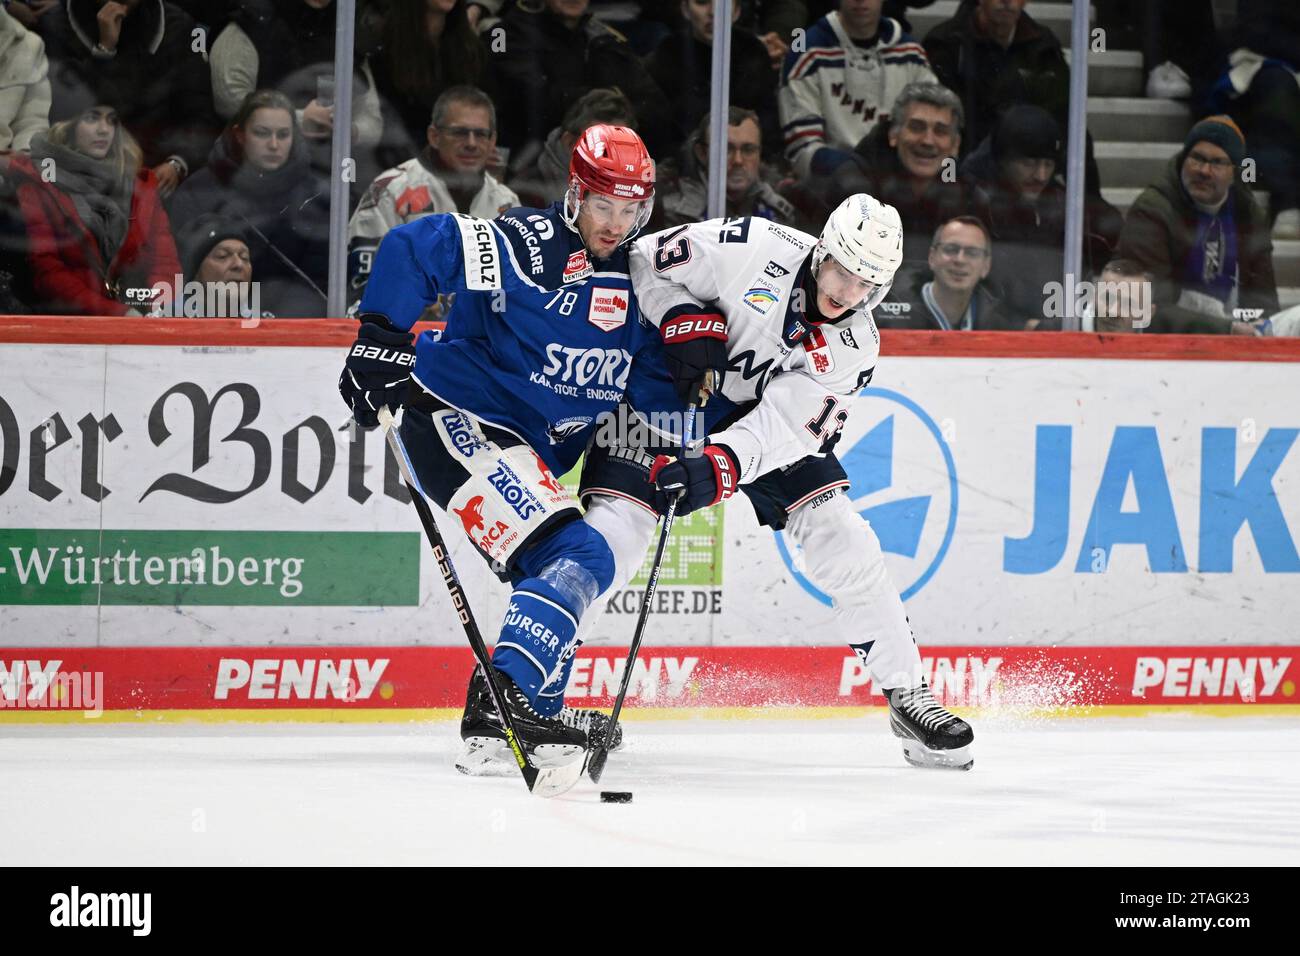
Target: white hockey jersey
403	194
792	380
834	92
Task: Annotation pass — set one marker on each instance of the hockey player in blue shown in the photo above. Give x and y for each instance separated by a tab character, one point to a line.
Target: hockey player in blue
543	338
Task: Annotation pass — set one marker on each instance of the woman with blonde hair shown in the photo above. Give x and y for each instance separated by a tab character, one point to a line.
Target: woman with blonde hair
97	232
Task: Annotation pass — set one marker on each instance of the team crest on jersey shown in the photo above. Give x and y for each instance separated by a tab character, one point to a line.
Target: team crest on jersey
761	296
608	308
566	428
820	359
578	267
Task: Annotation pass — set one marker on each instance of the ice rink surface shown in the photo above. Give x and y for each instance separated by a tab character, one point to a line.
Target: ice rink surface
1137	790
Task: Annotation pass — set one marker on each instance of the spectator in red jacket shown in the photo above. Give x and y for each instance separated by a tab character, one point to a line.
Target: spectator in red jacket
96	227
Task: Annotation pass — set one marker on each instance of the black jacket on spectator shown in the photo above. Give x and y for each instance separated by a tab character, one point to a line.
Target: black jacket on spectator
906	308
1028	239
876	169
285	214
682	66
160	87
407	112
288	35
989	78
1159	235
546	66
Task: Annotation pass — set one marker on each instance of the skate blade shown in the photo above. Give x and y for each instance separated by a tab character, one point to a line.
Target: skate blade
919	756
486	757
558	778
492	757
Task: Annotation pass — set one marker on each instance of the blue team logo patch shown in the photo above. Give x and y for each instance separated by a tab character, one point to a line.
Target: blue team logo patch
519	498
915	528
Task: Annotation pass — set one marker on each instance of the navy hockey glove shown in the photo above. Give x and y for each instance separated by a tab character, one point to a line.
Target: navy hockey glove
695	343
703	480
376	372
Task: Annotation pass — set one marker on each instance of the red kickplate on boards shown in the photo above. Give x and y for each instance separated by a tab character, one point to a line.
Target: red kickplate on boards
194	678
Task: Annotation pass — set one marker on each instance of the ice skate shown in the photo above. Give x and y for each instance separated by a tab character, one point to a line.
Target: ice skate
932	737
547	740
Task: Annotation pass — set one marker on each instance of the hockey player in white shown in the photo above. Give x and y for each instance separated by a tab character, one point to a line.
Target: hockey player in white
785	320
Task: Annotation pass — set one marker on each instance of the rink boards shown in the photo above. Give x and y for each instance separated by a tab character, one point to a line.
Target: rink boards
405	683
1120	509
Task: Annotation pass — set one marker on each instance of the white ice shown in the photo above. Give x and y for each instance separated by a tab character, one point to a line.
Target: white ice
1148	790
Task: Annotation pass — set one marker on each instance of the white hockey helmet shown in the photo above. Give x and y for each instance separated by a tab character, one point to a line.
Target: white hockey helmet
865	236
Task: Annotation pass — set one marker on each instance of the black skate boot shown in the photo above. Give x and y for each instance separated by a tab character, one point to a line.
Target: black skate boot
932	737
594	723
546	740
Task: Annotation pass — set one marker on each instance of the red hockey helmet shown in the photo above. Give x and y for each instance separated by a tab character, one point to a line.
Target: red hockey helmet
610	161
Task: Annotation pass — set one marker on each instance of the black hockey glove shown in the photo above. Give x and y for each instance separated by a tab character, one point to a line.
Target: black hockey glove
695	343
376	372
703	479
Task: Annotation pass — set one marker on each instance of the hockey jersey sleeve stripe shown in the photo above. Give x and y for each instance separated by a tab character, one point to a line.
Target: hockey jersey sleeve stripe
910	58
817	60
816	133
804	121
514	262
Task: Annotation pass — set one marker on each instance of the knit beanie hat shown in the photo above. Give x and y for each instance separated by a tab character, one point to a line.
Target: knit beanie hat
1222	132
1026	132
196	239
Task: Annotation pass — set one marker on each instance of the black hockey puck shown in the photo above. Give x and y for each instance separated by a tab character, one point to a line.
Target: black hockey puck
615	796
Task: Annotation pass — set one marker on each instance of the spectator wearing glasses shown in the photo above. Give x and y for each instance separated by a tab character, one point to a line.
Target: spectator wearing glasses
748	193
1204	237
426	47
449	175
957	295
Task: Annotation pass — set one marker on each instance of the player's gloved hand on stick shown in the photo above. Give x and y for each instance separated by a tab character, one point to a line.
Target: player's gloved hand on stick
702	480
695	343
378	366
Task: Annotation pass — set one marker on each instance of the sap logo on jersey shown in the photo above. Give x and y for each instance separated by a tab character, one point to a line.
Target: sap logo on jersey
275	679
608	308
519	498
915	528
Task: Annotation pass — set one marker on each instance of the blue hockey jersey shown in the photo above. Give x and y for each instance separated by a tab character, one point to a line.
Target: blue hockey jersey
542	338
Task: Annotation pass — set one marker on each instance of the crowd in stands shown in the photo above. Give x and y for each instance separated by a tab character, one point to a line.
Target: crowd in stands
144	142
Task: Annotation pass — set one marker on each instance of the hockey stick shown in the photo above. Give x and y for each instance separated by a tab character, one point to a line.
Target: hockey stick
547	781
600	750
